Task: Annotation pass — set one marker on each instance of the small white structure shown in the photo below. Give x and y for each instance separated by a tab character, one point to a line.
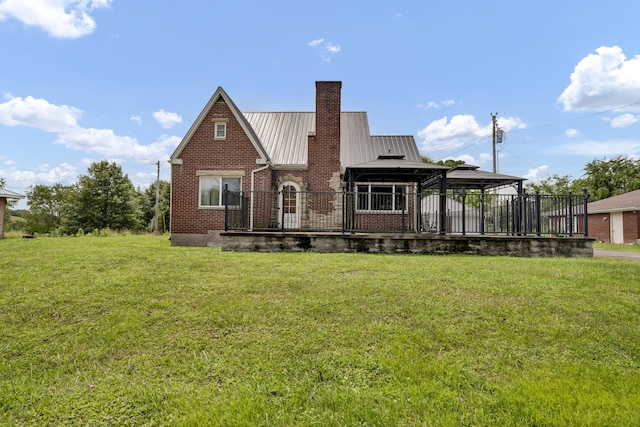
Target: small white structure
4	195
460	218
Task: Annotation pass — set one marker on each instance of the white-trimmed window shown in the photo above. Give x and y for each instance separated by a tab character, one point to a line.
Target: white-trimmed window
381	197
212	191
220	129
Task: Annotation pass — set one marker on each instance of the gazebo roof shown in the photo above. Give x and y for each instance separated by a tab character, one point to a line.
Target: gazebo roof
393	167
10	194
471	177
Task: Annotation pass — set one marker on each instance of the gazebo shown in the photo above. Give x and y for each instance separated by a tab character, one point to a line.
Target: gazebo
389	168
4	196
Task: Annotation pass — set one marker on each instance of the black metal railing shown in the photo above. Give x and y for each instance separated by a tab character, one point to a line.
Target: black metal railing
464	213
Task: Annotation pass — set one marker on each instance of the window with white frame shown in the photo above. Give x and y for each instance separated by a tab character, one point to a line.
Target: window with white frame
381	197
212	191
220	130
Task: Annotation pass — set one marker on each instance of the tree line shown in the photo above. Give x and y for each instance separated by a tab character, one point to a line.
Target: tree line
103	198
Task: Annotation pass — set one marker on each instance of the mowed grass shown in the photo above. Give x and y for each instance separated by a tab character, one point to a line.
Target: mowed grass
127	330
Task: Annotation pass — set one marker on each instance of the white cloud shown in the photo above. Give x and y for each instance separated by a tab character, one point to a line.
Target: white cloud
136	119
328	49
62	120
486	157
601	148
622	121
537	174
443	134
67	19
38	113
602	81
5	161
434	104
572	133
63	173
167	120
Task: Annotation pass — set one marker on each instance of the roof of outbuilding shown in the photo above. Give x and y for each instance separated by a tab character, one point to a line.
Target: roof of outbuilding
10	194
624	202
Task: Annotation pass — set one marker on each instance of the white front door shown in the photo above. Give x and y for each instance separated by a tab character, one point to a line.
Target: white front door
617	234
289	205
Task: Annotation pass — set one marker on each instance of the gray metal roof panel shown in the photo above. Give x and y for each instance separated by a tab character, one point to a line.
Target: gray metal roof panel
284	137
403	144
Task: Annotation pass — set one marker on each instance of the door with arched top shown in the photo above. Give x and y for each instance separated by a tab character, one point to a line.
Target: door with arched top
289	205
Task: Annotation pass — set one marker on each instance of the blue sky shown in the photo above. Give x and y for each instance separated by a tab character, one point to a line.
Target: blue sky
88	80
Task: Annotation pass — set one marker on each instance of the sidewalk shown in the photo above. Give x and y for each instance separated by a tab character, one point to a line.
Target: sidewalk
601	253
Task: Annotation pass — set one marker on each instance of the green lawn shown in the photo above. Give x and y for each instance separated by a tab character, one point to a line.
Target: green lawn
126	330
612	247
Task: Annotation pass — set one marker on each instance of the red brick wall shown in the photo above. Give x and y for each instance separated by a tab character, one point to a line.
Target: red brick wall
203	152
630	227
599	227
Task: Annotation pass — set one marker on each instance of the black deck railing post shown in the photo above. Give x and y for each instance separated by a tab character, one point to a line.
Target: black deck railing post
282	211
464	213
418	209
344	207
538	209
482	213
226	207
243	214
586	217
524	212
570	215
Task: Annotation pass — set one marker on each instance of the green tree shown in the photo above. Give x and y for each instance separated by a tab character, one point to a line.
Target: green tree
449	162
106	199
49	207
148	201
554	185
607	178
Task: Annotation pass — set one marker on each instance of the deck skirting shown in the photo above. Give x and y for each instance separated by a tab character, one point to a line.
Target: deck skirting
431	244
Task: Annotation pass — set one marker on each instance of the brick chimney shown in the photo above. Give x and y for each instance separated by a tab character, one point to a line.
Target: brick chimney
324	148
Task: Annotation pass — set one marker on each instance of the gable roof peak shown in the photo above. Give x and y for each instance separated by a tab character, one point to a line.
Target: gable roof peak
218	94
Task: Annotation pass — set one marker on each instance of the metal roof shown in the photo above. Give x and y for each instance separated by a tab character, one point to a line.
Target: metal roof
394	167
10	194
284	137
469	176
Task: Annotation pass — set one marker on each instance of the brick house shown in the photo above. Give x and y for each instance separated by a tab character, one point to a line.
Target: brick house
299	162
615	219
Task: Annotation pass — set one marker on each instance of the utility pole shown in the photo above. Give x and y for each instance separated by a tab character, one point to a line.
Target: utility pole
154	224
494	123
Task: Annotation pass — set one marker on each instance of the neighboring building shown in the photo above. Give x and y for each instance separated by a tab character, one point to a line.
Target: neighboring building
615	219
4	195
461	218
308	157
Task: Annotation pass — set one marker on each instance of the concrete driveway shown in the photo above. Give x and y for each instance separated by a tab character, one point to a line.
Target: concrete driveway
601	253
